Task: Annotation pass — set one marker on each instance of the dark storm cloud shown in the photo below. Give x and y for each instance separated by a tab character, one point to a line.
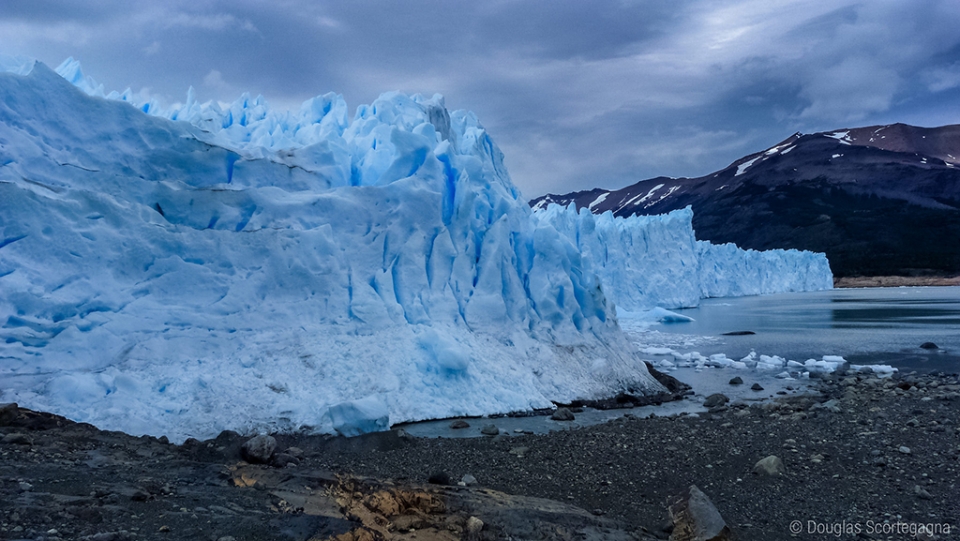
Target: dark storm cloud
578	94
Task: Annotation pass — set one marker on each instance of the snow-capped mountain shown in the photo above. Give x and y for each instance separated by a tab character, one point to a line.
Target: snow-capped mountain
880	200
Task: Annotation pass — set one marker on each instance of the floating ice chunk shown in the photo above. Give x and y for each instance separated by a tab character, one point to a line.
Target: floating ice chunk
829	363
652	350
356	417
879	369
664	364
666	316
768	362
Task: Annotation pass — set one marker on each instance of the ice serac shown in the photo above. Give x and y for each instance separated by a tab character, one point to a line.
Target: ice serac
187	270
647	262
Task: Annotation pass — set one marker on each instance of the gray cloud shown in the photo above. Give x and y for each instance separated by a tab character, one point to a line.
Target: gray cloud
578	94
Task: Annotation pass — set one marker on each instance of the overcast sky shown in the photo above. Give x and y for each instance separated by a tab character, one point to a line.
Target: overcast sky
578	94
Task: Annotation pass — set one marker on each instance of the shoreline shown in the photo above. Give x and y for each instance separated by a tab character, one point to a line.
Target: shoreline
849	282
856	449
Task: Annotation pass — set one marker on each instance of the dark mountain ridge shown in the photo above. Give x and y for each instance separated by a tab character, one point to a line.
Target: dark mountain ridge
878	200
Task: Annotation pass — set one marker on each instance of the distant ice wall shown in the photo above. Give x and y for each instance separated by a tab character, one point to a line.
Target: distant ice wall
728	271
245	269
655	261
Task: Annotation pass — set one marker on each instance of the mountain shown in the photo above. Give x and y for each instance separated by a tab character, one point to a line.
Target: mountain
879	200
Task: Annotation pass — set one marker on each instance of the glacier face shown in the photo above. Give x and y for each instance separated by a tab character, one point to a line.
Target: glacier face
211	267
647	262
206	266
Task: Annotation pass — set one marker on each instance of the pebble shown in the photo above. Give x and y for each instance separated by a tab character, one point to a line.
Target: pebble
904	449
756	387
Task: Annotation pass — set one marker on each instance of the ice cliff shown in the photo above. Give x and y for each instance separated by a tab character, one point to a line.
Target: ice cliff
236	268
646	262
202	267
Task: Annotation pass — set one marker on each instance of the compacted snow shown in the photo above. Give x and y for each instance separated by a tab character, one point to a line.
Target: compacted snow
203	267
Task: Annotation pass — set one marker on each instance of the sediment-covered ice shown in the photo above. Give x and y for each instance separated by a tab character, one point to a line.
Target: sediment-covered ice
647	262
203	267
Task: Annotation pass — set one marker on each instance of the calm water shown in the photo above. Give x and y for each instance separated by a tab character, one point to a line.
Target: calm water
865	326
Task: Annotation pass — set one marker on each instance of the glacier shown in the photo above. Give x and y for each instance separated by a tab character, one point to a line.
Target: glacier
200	268
188	269
651	262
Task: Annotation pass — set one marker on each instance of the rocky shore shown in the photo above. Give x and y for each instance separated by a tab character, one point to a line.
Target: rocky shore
895	281
859	458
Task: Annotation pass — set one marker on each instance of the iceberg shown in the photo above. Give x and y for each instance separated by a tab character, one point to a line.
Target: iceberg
655	262
202	267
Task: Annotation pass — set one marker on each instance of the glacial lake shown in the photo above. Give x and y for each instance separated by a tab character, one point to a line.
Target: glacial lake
865	326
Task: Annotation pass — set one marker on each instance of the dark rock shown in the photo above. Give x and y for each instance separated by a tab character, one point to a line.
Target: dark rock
715	400
140	495
928	345
8	412
562	414
490	430
769	466
671	383
16	438
472	529
468	480
921	493
439	478
459	423
739	333
259	449
736	381
282	460
756	387
695	518
227	435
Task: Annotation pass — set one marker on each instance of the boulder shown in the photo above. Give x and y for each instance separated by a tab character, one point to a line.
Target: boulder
695	518
736	381
715	400
562	414
259	449
770	466
490	430
8	412
459	423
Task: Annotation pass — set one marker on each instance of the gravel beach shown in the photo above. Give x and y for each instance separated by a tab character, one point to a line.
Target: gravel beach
862	458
